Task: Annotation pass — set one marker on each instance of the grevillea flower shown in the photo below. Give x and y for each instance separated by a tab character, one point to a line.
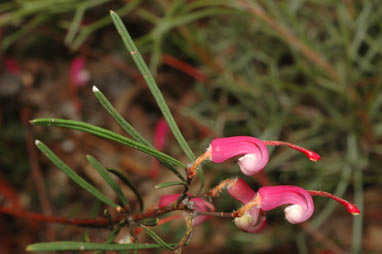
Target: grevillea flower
254	151
197	204
300	203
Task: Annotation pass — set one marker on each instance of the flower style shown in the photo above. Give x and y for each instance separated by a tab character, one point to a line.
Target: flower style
254	151
300	202
198	204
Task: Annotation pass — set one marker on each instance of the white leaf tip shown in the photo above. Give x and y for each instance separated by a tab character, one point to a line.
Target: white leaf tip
37	142
95	89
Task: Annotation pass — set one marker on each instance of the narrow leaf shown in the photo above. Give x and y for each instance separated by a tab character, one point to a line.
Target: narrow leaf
129	44
157	238
110	181
127	127
113	235
127	181
118	118
72	245
73	175
164	185
100	132
151	222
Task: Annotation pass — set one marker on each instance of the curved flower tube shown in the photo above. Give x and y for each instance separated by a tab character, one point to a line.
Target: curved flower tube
199	204
266	199
254	150
301	208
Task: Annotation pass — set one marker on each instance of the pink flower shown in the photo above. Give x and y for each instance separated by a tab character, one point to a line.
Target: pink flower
301	204
198	204
254	151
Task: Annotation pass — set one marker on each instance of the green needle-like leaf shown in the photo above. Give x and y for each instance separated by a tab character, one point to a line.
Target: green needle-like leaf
110	181
100	132
127	181
72	245
129	44
73	175
157	238
118	118
164	185
125	125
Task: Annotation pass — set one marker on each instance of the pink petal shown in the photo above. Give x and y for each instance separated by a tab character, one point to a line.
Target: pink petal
224	148
160	136
274	196
160	140
78	75
200	205
249	222
167	199
241	191
12	65
257	227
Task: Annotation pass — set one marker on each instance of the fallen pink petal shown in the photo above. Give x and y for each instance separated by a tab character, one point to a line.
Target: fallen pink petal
160	140
78	74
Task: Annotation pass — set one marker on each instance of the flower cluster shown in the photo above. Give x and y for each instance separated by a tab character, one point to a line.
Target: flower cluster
254	157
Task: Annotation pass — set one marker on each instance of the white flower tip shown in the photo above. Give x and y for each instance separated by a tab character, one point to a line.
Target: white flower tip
95	89
37	142
249	164
294	214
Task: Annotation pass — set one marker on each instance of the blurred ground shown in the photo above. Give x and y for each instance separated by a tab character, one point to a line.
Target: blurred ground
227	71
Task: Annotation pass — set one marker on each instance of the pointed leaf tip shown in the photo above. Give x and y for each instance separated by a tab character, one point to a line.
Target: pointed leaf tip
37	142
95	89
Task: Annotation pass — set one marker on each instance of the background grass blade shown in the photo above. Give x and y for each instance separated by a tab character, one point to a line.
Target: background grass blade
127	181
168	184
73	175
129	44
100	132
72	245
157	238
110	181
